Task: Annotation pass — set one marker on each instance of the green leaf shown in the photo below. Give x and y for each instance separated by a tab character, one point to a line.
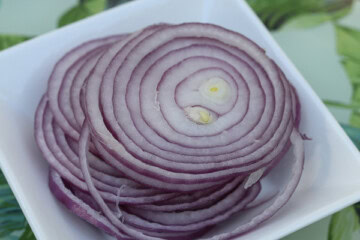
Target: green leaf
94	6
308	20
12	220
15	235
84	9
344	225
276	13
2	179
348	47
348	42
7	41
353	133
356	93
27	234
352	68
113	3
73	15
355	119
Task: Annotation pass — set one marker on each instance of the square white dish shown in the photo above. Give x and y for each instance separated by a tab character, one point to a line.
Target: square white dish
330	180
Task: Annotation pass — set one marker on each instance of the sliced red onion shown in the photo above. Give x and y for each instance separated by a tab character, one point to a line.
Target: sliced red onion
206	200
169	131
141	223
61	72
70	171
155	172
83	149
192	216
90	212
281	198
79	207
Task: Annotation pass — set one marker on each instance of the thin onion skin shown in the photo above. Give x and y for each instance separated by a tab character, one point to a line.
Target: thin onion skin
126	156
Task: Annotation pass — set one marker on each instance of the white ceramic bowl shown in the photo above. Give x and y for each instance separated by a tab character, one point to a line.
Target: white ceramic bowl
331	178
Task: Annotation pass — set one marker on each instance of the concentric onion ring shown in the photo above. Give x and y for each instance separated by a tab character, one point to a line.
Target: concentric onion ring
168	131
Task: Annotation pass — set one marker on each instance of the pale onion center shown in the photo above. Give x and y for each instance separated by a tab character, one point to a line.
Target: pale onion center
215	89
199	115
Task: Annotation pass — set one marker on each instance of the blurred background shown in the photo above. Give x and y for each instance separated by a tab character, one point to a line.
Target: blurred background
322	38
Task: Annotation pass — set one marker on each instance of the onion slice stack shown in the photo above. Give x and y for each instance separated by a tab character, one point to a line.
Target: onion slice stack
165	132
